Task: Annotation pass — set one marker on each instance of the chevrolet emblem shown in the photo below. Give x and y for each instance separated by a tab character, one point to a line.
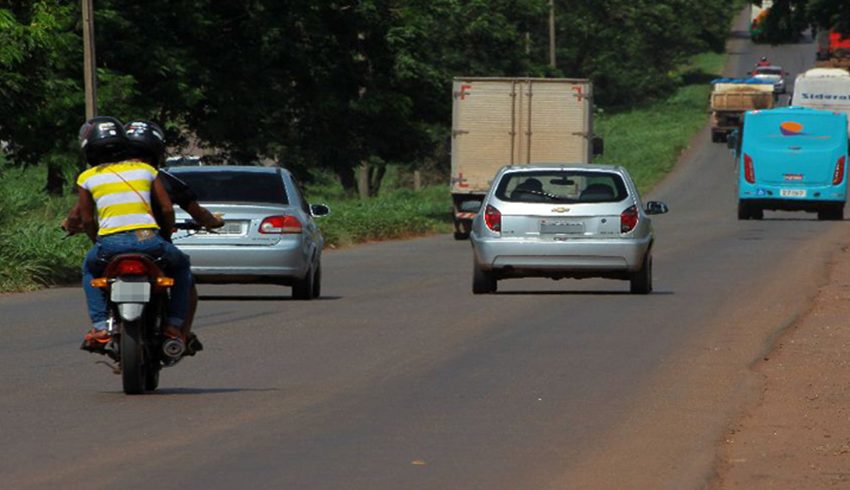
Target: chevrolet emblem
560	210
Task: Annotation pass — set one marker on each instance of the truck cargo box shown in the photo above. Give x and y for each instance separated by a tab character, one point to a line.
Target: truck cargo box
504	121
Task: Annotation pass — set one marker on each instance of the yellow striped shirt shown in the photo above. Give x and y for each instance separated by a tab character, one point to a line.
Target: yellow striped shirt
122	195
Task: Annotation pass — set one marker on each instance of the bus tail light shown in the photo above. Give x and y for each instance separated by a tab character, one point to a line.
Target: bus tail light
749	170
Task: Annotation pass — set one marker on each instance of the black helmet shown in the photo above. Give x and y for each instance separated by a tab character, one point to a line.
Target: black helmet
102	140
146	141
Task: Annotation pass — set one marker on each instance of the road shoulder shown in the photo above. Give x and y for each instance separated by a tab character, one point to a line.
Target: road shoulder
798	435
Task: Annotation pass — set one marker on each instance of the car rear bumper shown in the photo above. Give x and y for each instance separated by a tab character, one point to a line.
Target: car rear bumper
574	255
240	263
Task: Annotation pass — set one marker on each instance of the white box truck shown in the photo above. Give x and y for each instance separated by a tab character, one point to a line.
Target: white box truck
823	88
510	121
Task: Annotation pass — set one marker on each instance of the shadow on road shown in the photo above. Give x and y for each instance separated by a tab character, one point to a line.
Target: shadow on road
579	293
198	391
261	298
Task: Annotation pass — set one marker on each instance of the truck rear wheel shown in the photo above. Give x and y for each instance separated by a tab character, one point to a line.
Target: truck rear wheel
462	229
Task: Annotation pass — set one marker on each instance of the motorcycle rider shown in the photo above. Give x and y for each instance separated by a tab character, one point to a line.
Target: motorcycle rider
115	202
763	62
146	142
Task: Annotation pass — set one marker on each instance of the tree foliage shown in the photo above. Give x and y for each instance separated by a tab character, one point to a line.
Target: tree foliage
787	19
330	84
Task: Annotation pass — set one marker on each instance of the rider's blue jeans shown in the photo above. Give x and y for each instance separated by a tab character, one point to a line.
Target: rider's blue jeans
139	241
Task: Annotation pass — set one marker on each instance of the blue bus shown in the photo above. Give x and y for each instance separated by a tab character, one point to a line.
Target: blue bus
793	159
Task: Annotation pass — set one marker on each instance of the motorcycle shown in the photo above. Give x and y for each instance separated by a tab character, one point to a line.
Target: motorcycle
137	297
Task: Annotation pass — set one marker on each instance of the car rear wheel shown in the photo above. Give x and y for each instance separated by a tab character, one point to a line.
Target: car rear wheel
317	281
483	282
641	281
303	288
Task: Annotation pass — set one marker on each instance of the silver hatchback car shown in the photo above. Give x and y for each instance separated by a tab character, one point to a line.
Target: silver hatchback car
561	220
269	235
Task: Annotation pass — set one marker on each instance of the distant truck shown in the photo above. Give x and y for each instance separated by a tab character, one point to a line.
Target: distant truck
833	50
823	88
731	97
757	16
501	121
792	159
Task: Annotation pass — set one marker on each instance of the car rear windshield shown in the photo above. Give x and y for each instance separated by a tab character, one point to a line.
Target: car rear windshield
234	186
562	186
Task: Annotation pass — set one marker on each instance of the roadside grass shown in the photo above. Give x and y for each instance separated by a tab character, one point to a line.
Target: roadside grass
32	251
648	140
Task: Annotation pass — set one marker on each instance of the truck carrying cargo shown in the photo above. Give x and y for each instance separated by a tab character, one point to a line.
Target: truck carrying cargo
503	121
758	14
823	88
731	98
833	50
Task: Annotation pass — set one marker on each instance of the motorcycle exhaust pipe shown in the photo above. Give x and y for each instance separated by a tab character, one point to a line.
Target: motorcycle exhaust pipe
173	348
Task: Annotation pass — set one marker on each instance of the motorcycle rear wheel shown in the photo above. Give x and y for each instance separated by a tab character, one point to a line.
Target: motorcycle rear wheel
133	372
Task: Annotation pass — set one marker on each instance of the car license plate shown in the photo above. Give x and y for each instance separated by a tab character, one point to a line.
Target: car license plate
229	228
792	192
561	227
130	292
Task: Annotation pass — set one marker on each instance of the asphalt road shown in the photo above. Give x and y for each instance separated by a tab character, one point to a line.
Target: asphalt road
400	378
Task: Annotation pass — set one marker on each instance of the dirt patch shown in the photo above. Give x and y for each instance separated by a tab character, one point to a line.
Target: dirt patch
798	436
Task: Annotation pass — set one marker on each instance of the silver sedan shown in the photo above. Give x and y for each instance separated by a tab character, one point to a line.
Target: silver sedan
269	235
559	221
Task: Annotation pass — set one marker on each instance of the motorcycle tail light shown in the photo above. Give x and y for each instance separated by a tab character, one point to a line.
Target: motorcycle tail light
131	267
629	219
493	219
279	225
838	175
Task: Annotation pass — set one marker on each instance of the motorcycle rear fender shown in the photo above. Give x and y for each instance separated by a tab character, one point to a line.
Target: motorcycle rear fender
131	311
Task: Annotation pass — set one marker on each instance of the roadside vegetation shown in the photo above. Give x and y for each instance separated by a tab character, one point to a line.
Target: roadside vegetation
649	139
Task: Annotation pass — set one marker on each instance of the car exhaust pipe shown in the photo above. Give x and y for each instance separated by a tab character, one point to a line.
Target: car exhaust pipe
173	348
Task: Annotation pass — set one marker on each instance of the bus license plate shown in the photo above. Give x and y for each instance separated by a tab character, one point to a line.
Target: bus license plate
792	192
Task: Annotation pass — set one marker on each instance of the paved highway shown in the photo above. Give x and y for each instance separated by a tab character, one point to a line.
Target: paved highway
400	378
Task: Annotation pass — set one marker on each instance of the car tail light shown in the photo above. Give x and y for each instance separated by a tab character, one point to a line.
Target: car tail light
628	219
280	225
749	170
493	218
838	175
131	267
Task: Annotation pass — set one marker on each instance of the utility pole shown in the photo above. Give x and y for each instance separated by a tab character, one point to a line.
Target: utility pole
552	33
89	73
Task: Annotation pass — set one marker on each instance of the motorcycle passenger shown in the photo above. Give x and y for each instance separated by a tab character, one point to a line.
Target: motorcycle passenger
115	207
146	142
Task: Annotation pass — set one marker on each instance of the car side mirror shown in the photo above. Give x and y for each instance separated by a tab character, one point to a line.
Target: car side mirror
470	206
598	145
319	210
656	207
